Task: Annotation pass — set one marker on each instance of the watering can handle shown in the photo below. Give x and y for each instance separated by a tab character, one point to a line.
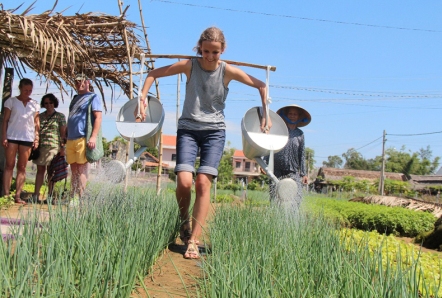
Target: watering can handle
268	99
142	57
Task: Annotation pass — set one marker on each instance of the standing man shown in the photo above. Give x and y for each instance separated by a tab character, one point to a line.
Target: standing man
77	130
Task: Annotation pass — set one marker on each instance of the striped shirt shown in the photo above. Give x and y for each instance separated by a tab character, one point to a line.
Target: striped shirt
50	129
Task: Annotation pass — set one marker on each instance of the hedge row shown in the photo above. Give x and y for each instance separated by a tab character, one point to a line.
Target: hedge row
390	220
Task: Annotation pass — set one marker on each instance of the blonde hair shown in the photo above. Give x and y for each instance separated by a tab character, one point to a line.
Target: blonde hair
210	34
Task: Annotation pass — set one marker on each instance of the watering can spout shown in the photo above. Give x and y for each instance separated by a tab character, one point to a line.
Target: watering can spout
271	161
266	169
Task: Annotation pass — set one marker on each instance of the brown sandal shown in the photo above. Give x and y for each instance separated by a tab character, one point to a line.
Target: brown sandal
20	202
192	251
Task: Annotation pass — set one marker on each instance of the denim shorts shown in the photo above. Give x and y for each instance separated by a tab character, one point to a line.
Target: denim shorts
211	146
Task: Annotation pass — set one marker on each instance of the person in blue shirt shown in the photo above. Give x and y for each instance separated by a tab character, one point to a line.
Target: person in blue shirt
77	130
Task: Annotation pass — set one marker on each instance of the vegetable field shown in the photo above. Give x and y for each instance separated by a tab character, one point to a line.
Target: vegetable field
106	246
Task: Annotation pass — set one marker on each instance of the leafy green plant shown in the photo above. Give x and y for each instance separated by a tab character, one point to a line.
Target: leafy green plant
403	257
389	220
224	198
7	201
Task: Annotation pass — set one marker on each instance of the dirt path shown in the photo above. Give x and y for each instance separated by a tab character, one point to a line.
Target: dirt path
172	275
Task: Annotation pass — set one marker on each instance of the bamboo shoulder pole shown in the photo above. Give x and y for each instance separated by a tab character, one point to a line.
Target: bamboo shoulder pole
172	56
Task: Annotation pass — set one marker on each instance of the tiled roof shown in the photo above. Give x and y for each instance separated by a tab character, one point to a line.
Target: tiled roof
238	153
169	140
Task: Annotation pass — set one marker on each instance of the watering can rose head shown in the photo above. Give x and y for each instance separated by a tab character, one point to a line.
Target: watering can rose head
294	114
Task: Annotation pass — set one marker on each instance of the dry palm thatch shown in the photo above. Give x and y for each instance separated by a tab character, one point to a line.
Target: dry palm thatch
57	47
412	204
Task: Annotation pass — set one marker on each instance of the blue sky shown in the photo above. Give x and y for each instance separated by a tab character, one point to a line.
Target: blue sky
359	67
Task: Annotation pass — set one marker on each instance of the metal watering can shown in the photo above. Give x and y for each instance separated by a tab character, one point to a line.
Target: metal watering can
146	133
257	144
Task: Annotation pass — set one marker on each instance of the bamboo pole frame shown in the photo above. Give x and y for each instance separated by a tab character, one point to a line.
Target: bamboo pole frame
160	145
120	6
172	56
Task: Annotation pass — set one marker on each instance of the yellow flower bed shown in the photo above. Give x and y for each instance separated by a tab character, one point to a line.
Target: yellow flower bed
426	266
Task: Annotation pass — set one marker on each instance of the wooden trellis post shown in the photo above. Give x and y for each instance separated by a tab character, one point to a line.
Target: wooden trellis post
160	146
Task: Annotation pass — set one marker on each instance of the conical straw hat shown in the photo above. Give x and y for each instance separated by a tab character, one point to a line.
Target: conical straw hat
304	119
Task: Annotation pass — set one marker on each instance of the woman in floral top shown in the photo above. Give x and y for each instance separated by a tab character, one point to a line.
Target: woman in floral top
52	140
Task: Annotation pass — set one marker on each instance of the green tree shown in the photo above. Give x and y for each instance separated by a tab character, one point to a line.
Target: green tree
398	161
417	163
106	145
333	161
225	169
428	166
408	163
354	160
310	158
374	164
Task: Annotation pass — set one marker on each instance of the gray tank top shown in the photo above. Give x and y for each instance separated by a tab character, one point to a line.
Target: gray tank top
205	99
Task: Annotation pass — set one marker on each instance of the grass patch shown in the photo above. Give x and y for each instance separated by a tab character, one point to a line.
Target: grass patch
97	249
265	252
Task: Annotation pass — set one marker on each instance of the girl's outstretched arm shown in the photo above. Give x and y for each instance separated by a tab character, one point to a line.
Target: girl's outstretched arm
234	73
183	66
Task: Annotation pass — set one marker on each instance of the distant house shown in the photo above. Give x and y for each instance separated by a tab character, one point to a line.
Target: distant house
244	168
169	151
339	174
426	184
150	162
325	175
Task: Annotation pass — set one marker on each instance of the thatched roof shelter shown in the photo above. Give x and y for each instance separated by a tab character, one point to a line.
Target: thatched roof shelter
57	47
329	174
421	182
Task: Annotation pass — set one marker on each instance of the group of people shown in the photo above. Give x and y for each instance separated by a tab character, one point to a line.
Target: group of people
26	129
201	129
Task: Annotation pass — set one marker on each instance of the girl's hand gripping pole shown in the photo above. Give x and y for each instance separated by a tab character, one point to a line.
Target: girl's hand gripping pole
139	117
268	99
